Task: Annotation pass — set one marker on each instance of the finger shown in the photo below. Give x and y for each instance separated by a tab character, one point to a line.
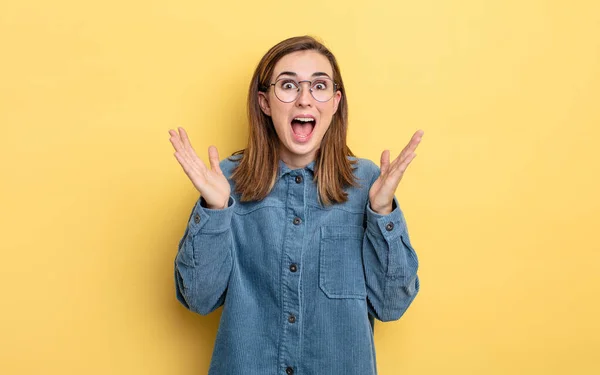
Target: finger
185	141
190	169
183	162
176	141
409	148
189	150
401	155
185	138
414	141
406	162
213	156
384	161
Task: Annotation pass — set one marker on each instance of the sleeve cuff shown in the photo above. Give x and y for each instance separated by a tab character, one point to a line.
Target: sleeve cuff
391	226
210	221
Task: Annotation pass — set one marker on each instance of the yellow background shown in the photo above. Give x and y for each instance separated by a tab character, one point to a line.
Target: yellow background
502	200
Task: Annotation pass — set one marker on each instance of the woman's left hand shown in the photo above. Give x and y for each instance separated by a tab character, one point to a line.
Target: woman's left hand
382	192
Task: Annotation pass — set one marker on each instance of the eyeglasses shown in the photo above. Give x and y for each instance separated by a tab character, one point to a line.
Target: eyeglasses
288	90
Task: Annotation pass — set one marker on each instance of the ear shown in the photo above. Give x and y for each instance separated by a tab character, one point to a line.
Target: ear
263	101
336	100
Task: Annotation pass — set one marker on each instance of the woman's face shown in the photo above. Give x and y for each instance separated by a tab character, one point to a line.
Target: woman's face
301	123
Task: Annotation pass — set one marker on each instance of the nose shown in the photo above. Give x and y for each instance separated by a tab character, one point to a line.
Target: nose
305	97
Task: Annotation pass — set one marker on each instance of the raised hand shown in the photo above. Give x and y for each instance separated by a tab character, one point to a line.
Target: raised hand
382	191
211	183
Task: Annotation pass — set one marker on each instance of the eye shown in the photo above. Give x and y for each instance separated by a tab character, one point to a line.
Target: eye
288	85
320	85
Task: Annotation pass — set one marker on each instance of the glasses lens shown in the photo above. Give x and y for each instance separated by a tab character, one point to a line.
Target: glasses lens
322	89
286	90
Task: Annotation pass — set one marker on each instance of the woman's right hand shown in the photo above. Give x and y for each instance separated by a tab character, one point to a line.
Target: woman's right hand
211	183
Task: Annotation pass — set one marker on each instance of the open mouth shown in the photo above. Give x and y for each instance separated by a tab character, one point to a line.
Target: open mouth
302	127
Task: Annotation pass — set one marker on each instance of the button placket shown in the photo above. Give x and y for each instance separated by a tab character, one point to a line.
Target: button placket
295	233
292	254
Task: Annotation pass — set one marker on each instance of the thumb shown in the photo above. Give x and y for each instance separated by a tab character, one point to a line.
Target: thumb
213	156
385	161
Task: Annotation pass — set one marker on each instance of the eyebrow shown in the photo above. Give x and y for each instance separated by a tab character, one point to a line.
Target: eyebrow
315	74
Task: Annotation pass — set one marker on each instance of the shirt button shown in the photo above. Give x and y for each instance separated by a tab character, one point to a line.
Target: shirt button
297	221
298	179
289	371
389	226
292	319
196	218
293	267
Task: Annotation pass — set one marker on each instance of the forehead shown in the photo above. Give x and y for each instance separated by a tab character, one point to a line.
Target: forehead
304	64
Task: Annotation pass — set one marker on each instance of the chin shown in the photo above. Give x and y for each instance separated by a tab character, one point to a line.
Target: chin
301	149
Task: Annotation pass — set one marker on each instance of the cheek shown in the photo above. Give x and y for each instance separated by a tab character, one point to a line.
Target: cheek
279	115
327	110
279	111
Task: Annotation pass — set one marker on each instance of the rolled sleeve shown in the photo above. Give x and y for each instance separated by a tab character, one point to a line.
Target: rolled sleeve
208	220
390	263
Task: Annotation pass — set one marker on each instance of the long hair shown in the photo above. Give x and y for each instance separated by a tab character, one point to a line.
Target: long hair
256	173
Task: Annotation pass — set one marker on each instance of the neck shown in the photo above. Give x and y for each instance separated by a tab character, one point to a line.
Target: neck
296	161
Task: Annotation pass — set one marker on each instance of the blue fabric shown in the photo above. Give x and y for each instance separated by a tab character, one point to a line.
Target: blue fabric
332	268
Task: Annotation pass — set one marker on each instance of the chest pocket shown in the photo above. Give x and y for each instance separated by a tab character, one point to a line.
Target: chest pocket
244	208
341	272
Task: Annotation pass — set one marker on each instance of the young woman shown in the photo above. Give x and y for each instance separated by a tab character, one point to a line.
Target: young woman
301	242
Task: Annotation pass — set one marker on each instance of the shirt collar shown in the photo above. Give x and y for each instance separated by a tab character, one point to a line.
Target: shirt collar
284	169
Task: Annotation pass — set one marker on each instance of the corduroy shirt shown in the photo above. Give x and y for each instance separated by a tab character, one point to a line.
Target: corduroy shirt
300	283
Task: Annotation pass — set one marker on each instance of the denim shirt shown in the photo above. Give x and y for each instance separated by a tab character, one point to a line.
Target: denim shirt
300	283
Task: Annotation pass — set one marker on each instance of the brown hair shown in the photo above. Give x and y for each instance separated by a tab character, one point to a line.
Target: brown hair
256	174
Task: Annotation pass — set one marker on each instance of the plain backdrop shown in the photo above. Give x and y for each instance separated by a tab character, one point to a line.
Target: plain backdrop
501	202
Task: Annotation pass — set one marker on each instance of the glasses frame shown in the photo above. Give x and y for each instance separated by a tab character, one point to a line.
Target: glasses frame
335	88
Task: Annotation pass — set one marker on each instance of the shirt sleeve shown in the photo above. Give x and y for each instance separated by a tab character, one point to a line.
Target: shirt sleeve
390	264
204	258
